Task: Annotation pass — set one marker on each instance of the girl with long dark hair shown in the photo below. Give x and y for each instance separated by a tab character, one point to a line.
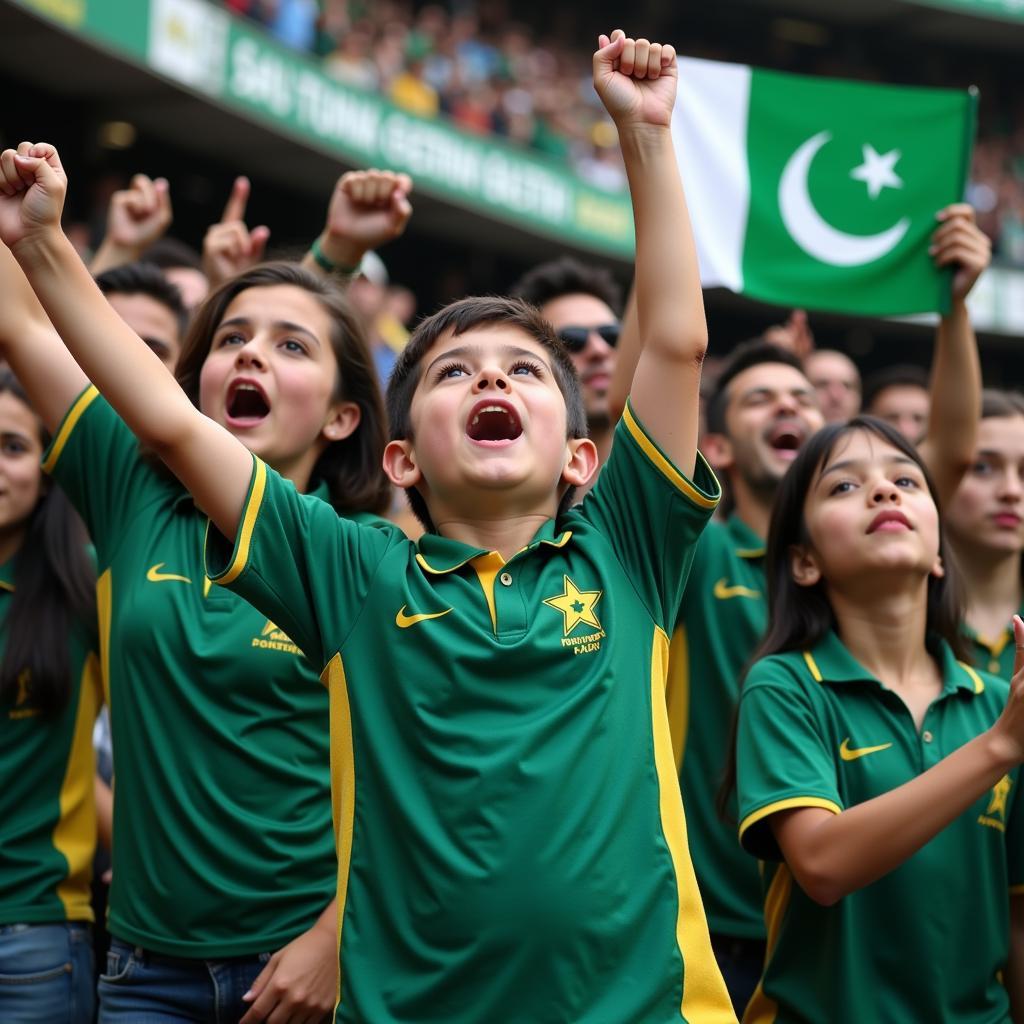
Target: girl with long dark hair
50	693
877	772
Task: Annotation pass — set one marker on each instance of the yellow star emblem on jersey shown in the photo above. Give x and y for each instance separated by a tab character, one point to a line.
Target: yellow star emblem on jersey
1000	791
575	605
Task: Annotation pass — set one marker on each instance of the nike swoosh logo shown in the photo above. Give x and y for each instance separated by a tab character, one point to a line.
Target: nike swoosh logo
403	621
154	575
724	592
848	754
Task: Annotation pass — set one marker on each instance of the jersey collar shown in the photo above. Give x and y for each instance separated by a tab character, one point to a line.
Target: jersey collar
438	555
744	539
830	662
7	575
996	645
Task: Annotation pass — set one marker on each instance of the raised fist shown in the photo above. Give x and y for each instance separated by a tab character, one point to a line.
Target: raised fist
367	209
32	190
139	214
636	80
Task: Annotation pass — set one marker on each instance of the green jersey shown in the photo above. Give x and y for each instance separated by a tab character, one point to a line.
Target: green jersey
995	655
928	941
222	825
511	840
47	807
723	617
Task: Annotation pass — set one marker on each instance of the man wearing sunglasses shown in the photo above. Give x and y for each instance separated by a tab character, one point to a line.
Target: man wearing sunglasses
583	304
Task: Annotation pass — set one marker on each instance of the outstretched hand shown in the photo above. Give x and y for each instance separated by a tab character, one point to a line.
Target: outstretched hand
958	242
636	80
229	247
32	190
367	209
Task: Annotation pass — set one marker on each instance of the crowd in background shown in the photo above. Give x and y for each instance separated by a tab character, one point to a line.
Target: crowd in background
491	74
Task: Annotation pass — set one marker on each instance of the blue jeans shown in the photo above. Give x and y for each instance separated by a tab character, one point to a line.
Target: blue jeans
741	962
140	987
46	973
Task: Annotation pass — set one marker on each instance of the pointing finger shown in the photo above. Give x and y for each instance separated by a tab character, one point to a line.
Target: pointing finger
234	209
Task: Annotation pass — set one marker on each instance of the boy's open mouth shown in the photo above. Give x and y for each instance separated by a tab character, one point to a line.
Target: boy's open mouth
493	421
247	403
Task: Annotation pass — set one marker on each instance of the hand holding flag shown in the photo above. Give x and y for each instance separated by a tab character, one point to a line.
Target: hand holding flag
958	242
636	80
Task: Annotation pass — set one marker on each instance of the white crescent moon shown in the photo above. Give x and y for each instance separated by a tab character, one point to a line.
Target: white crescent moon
815	235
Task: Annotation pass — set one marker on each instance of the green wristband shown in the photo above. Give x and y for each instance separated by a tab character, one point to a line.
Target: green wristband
329	266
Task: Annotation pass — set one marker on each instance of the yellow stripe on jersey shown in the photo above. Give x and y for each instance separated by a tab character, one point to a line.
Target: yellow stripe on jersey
343	786
979	683
650	449
785	805
761	1009
677	696
244	540
104	613
704	995
487	568
74	414
813	666
74	836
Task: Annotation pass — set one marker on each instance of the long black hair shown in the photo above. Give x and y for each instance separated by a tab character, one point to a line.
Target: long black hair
799	617
54	584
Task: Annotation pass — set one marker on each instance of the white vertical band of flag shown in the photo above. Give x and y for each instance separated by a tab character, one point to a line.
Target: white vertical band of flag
709	126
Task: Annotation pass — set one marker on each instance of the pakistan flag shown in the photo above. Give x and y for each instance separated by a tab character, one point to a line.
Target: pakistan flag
817	192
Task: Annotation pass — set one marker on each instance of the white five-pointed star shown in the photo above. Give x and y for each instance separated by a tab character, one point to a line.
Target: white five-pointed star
877	170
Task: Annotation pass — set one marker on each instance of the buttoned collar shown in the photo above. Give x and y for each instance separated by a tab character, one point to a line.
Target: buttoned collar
438	555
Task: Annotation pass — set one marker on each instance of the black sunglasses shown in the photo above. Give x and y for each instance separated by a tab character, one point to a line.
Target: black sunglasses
575	338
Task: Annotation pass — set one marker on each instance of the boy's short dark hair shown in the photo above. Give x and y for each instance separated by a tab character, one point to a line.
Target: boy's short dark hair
144	279
743	357
567	276
903	375
459	317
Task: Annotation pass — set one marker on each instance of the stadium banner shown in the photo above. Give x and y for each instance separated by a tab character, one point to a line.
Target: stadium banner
204	48
820	193
1008	10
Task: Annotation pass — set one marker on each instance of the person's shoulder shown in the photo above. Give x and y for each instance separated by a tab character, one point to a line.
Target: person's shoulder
786	670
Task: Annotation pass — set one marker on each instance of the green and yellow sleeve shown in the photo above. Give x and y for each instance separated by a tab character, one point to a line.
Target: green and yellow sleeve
298	562
782	759
652	514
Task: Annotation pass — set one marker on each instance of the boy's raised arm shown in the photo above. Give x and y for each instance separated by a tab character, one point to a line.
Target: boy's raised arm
636	80
212	464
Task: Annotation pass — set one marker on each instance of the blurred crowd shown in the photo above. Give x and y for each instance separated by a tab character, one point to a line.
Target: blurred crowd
492	75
